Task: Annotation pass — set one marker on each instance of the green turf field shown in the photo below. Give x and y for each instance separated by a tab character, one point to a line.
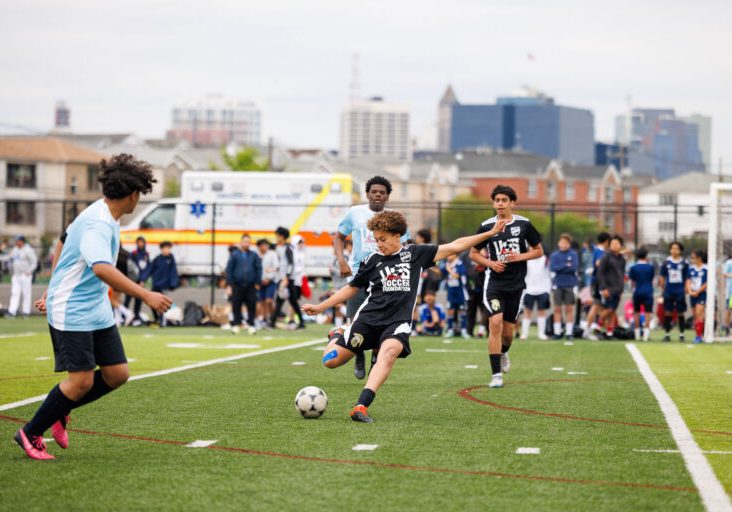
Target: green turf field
444	440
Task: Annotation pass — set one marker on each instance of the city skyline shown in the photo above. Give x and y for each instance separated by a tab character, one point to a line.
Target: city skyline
123	67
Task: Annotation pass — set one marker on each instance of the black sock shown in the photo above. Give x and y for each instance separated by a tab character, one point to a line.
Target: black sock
667	324
97	391
367	396
495	363
682	324
505	348
55	406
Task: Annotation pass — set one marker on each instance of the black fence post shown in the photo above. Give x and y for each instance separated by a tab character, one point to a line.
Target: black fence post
213	255
552	226
439	222
635	228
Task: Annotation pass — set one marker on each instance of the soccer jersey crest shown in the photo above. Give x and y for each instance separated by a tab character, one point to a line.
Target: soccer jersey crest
515	230
405	256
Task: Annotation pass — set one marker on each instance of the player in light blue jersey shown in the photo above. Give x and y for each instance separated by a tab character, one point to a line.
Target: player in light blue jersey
78	309
353	224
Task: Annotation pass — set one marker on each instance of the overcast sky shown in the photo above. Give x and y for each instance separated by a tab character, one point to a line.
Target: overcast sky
122	65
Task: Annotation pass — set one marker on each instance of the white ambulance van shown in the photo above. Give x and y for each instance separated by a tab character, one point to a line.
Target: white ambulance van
308	204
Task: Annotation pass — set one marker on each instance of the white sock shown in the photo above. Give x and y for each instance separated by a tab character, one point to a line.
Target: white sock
583	324
557	328
541	324
637	333
594	326
525	324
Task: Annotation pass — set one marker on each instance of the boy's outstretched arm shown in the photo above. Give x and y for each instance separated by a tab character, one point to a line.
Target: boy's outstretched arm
342	295
466	242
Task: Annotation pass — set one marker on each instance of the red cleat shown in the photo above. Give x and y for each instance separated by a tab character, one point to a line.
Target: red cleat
33	447
59	432
360	413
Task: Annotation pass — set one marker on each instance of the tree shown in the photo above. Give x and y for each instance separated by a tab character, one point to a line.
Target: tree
463	215
246	159
171	188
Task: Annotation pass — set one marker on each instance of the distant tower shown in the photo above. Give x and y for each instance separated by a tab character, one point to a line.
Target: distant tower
62	118
355	85
444	119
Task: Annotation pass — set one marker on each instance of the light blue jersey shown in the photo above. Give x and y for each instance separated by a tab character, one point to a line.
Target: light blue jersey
354	224
728	280
77	299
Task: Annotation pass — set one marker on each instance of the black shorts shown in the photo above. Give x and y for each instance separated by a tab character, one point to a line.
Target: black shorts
563	296
673	303
78	351
505	302
360	336
542	302
643	300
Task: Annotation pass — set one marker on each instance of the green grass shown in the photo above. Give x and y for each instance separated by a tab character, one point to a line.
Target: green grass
437	449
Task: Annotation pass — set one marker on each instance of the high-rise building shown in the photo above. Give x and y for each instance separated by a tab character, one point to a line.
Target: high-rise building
375	128
215	120
660	143
61	118
528	121
704	129
444	119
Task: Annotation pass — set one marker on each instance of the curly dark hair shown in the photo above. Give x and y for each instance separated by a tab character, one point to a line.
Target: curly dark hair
390	221
122	175
379	180
505	190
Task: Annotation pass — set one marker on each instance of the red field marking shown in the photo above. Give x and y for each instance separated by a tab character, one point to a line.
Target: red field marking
467	394
385	465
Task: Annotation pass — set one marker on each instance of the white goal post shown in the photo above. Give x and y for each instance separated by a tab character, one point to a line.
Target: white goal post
716	289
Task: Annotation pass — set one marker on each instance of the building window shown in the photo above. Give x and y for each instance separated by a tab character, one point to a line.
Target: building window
609	195
627	194
569	191
92	178
609	221
592	192
20	212
665	225
551	190
21	176
532	188
667	199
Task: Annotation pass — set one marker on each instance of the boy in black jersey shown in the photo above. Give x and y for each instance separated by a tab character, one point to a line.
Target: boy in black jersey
384	321
505	275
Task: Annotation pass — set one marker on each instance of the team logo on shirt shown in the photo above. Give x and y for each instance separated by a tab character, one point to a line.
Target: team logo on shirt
356	340
515	230
396	278
506	247
405	256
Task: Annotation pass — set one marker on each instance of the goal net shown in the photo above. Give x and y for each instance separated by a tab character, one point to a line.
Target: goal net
718	252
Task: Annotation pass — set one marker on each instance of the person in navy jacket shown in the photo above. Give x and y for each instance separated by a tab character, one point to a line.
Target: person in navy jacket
563	264
140	258
244	275
163	272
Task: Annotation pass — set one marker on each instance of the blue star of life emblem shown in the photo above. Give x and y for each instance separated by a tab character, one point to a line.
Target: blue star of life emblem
198	209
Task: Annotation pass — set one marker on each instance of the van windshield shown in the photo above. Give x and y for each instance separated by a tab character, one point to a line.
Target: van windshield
162	217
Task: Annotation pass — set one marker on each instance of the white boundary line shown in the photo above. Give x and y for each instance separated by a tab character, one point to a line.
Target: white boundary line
712	493
160	373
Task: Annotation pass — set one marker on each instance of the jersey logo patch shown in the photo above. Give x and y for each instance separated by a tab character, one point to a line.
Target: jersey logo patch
405	256
495	305
515	230
356	340
395	279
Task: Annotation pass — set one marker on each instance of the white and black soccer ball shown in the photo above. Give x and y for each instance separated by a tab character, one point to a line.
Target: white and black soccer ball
311	402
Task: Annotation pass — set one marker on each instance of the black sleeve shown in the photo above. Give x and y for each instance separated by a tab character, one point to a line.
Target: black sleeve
361	279
62	238
482	229
425	255
533	237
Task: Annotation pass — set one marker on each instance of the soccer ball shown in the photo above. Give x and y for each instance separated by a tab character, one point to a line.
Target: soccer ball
311	402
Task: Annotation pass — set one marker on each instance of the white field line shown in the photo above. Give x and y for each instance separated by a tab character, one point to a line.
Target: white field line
202	364
712	493
18	335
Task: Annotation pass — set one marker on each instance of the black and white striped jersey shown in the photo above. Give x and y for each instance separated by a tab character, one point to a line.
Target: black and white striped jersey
518	236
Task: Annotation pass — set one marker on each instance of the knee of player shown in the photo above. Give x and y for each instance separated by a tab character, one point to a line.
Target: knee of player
117	378
83	385
496	321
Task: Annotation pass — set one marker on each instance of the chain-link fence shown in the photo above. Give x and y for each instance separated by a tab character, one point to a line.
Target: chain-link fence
203	232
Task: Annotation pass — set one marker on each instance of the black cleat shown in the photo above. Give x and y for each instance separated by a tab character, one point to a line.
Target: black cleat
360	413
666	338
359	369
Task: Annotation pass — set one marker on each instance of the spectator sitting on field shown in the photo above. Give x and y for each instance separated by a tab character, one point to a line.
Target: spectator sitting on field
431	316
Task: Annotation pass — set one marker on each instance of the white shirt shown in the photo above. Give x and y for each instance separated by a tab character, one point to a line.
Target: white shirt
538	277
24	260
